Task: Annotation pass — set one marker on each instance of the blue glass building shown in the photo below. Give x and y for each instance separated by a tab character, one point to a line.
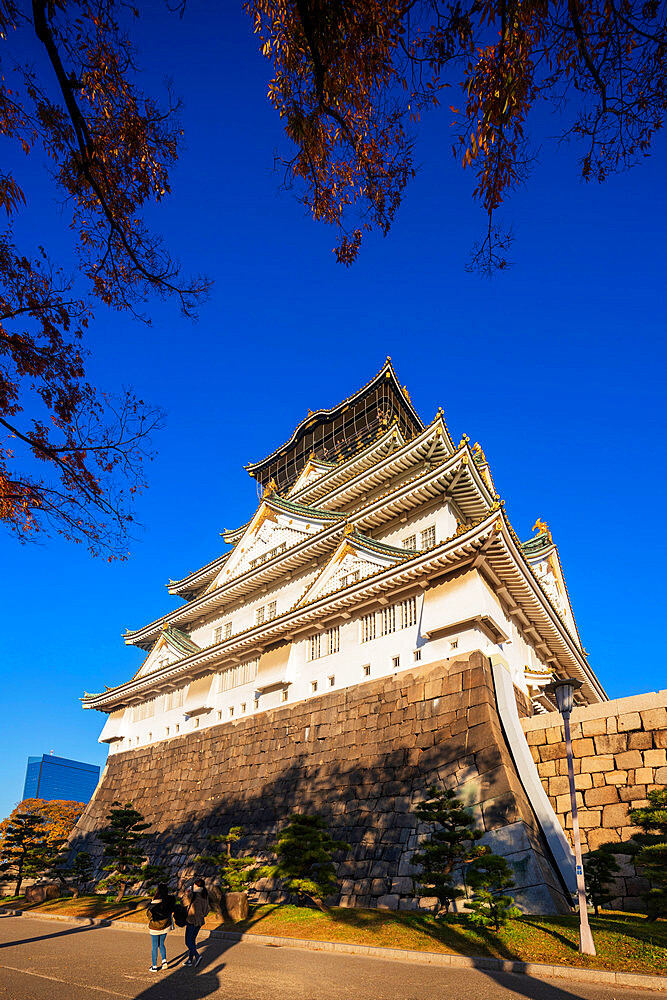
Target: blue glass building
49	777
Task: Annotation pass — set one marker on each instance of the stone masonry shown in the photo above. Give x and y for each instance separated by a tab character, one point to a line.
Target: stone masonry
620	754
362	757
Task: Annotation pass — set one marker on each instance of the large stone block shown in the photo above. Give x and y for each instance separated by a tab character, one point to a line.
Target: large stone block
616	743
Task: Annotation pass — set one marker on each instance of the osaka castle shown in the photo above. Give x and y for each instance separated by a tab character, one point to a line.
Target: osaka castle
378	543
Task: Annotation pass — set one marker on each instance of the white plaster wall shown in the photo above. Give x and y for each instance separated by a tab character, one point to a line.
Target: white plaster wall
470	597
441	516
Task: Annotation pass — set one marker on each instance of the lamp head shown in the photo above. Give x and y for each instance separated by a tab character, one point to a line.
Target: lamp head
563	691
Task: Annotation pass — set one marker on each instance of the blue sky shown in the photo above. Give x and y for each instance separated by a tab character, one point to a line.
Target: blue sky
556	367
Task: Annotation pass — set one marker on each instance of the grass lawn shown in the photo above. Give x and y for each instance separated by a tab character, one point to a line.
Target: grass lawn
624	942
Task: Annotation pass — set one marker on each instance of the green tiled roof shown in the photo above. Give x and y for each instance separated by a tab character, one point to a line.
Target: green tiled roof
180	641
534	546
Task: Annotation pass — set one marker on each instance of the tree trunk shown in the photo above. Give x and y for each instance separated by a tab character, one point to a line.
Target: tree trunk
121	892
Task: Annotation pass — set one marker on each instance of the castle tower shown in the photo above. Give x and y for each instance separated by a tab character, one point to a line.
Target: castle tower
375	625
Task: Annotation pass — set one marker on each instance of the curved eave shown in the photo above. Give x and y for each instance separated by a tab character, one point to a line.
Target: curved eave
334	411
351	467
273	570
431	445
199	577
552	621
457	479
489	546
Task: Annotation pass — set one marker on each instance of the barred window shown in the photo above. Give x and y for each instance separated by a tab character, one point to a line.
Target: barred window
408	612
389	619
233	677
270	610
410	542
228	630
143	711
333	639
350	578
368	627
175	699
217	633
259	615
314	647
428	537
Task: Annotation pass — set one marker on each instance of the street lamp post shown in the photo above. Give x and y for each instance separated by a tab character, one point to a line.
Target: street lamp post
563	691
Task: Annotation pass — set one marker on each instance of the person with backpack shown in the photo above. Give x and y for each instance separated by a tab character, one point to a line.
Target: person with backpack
196	904
160	922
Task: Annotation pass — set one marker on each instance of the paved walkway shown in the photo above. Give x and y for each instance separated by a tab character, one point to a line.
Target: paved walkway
42	961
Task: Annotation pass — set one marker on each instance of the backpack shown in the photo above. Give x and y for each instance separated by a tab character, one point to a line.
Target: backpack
180	915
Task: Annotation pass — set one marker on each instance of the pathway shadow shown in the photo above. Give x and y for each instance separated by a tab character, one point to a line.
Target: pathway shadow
187	983
533	989
45	937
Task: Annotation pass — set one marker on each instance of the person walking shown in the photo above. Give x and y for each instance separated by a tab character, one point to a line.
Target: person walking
196	904
160	922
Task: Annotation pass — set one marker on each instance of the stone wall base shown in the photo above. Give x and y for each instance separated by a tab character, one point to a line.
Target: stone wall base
362	757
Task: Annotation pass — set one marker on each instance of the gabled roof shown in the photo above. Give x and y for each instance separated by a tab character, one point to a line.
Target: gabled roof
313	470
371	556
176	640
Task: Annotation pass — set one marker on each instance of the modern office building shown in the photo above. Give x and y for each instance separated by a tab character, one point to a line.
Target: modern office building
49	777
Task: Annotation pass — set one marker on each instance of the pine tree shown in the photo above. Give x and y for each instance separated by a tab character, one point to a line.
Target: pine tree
652	853
76	874
599	868
235	874
487	877
25	851
124	852
451	843
305	858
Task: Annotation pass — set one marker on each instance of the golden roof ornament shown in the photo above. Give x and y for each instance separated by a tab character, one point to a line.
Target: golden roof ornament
542	528
478	451
269	488
349	530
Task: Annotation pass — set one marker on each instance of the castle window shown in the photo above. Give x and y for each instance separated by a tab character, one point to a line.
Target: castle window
410	543
166	730
333	639
366	669
219	716
408	612
417	655
259	615
388	620
454	644
368	627
195	723
228	630
332	681
242	708
177	728
270	610
313	686
174	699
283	694
217	634
231	711
314	647
428	537
350	578
395	662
